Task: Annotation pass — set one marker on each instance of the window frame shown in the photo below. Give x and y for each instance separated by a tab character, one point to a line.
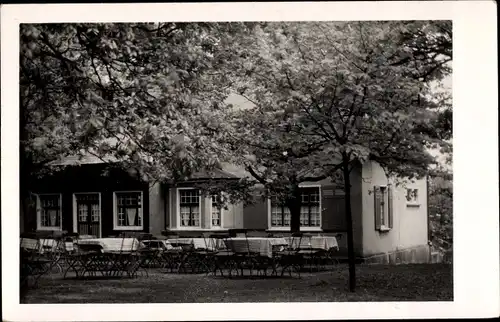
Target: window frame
115	211
302	228
385	224
39	212
221	209
178	208
412	203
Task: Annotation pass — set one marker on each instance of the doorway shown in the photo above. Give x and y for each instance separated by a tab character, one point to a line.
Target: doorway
87	210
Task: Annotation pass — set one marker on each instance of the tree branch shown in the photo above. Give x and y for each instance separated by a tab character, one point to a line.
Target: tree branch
256	175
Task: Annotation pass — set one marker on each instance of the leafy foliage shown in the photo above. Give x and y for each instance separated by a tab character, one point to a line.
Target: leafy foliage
441	212
328	95
140	93
357	86
333	95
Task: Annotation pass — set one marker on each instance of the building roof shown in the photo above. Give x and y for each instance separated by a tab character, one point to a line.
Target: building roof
227	172
85	159
219	174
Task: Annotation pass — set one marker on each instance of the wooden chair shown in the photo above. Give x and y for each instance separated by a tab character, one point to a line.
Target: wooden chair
244	257
291	259
34	260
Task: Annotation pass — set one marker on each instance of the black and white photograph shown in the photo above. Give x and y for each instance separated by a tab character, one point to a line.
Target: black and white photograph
168	161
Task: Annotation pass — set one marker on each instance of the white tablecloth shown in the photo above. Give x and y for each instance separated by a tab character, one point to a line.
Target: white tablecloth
197	243
316	242
262	245
112	244
156	243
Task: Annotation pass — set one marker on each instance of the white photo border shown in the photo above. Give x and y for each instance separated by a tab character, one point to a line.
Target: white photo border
476	251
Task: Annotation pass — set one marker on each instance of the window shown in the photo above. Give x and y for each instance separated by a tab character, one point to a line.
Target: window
412	197
216	212
383	208
82	212
87	204
49	212
189	207
310	211
94	211
280	214
128	210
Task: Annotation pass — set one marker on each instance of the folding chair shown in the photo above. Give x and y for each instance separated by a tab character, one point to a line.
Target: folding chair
290	259
33	262
71	254
172	256
145	255
200	259
330	257
244	257
152	250
262	263
223	258
130	258
310	255
208	254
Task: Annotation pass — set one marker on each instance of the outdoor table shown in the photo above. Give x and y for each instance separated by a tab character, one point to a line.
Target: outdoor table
108	263
111	244
315	249
196	243
194	254
264	246
153	250
107	256
255	253
313	242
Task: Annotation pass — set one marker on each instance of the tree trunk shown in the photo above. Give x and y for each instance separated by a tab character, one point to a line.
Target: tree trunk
350	238
294	204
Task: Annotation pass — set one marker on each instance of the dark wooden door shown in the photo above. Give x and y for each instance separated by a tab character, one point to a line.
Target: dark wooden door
88	214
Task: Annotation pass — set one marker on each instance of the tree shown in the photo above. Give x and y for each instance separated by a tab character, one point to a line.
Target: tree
277	157
358	88
138	94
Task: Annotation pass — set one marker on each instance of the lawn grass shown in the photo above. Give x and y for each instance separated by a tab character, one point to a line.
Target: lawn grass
416	282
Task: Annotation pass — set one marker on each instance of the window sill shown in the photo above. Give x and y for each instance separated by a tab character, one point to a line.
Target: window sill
49	228
301	229
198	228
127	228
384	229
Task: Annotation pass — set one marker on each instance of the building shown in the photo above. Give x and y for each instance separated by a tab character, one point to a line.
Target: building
390	221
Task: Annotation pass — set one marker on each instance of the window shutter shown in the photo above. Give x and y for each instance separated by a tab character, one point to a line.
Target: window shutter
390	212
38	211
377	204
